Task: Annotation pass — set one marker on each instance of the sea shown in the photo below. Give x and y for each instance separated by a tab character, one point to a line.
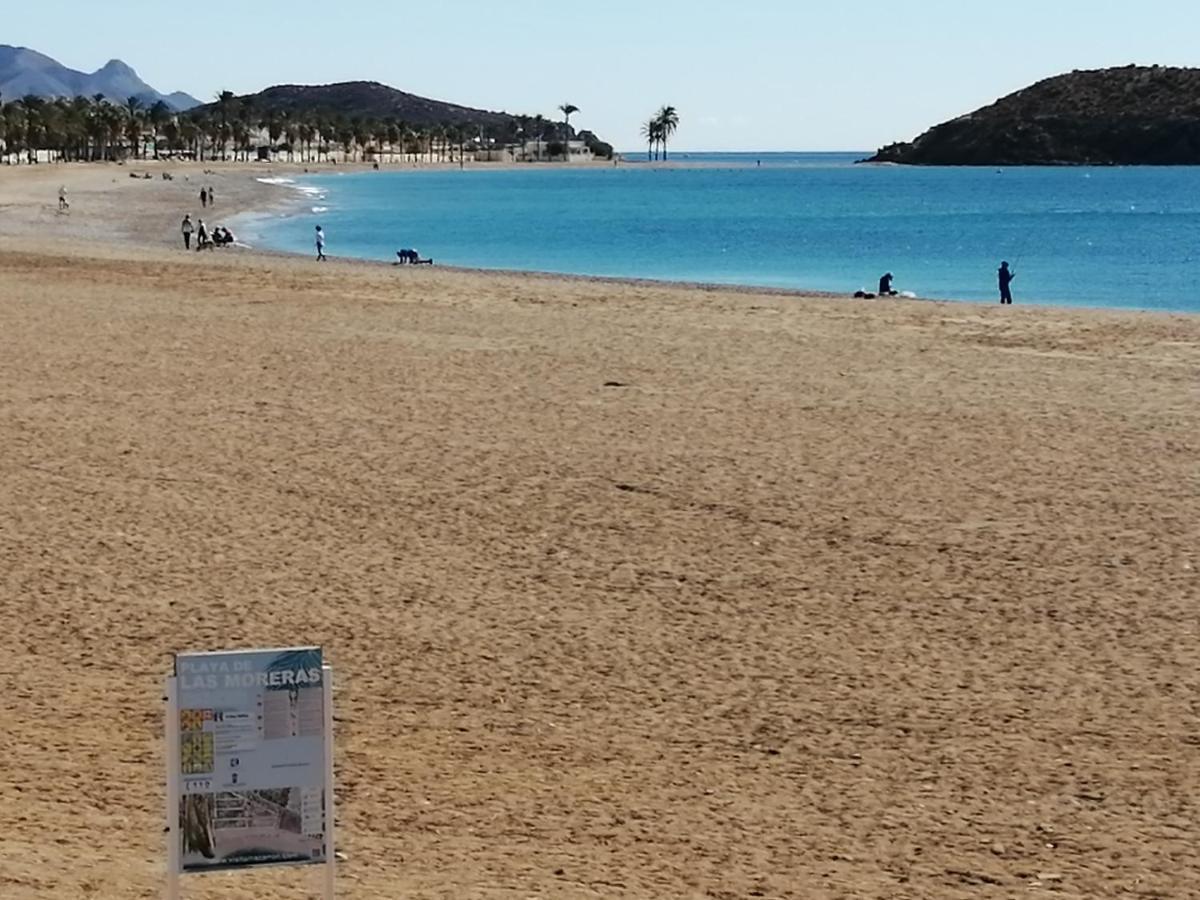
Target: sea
1098	237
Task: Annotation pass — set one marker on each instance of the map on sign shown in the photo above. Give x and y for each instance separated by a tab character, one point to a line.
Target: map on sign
251	758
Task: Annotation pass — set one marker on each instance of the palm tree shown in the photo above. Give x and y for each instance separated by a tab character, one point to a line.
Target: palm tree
668	122
133	124
98	129
114	122
306	131
275	125
34	124
291	131
567	109
158	116
189	135
226	103
539	133
14	131
245	128
652	132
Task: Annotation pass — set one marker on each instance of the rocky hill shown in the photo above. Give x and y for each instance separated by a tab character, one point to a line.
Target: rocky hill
370	100
24	72
375	102
1128	116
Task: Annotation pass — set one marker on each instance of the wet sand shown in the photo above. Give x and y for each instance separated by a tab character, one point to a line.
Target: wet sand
631	590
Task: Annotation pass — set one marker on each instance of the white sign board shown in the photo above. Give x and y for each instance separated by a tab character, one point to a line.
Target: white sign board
250	759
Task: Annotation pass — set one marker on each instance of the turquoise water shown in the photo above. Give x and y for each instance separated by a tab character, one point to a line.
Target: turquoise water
1119	237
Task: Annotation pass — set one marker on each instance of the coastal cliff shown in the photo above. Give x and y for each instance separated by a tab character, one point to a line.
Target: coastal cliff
1127	116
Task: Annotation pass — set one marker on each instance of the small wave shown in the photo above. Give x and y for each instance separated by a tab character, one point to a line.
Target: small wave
275	180
320	209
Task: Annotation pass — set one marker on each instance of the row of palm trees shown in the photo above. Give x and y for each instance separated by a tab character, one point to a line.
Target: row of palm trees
658	131
95	128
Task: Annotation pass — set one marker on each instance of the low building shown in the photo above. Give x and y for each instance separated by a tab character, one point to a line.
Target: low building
540	151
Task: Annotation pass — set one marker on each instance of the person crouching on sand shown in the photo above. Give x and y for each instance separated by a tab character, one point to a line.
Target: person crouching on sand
320	241
187	229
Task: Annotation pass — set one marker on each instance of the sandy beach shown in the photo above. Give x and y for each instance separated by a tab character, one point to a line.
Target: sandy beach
631	590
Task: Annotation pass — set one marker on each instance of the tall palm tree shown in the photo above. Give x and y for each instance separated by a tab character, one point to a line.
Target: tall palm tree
668	121
245	128
114	122
273	122
189	135
306	131
133	124
539	134
158	116
226	104
567	109
34	124
291	132
652	132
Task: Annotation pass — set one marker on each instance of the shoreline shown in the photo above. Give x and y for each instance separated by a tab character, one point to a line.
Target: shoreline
244	195
296	207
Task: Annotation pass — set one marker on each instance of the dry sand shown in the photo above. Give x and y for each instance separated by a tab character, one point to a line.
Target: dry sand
826	599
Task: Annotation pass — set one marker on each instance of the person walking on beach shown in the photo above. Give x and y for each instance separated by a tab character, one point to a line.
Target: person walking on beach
187	230
1006	276
203	198
202	235
63	205
320	241
212	196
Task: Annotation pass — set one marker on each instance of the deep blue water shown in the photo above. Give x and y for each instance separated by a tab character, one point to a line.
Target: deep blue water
1127	237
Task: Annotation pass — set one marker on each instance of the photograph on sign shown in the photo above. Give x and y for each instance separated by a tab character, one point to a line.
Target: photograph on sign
251	758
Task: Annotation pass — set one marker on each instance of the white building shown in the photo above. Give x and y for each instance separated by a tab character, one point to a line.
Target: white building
539	151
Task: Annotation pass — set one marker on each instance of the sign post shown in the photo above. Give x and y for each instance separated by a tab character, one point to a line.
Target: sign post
174	841
249	763
330	804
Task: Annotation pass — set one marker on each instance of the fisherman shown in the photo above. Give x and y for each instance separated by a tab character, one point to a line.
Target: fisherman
1006	276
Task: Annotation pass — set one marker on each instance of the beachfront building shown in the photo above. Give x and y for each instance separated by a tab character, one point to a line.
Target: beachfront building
541	151
495	154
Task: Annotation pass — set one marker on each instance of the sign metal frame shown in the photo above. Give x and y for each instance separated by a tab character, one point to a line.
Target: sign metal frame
174	789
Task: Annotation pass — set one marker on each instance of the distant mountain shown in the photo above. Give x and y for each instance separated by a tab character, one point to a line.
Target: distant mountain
370	100
1134	115
24	71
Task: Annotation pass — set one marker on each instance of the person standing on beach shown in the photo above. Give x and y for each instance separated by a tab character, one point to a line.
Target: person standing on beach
63	205
203	198
202	235
187	230
212	196
1006	276
320	240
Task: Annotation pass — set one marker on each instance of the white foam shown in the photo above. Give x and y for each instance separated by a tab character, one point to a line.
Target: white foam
275	180
320	209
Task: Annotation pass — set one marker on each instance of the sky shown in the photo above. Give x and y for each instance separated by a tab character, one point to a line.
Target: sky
750	75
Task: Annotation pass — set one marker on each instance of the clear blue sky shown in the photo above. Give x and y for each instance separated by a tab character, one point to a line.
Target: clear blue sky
756	74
